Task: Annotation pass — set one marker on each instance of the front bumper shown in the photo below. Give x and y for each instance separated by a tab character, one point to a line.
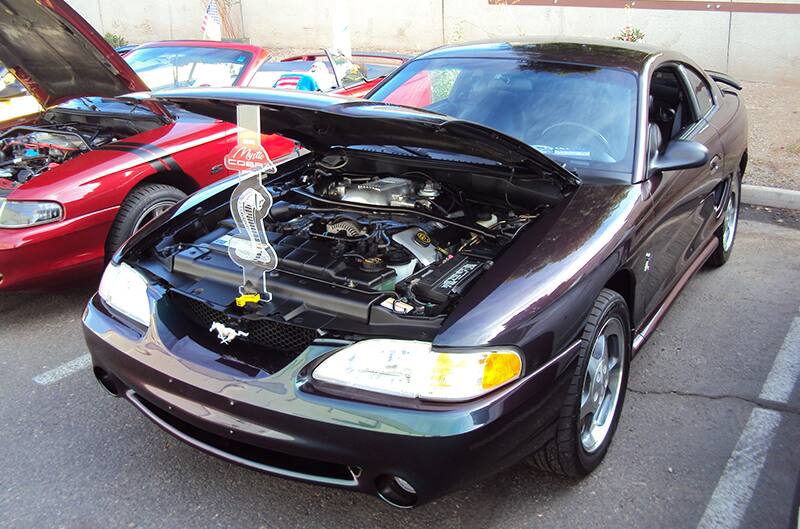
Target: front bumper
269	423
40	256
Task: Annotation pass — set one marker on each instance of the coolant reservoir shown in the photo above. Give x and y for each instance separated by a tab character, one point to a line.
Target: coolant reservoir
404	270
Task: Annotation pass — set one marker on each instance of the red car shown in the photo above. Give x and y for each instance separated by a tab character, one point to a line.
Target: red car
79	178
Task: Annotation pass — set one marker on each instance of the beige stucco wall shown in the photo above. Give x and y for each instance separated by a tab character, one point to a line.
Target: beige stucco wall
702	35
750	45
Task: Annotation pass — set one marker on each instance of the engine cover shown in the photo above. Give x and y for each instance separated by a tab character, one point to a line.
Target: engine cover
389	191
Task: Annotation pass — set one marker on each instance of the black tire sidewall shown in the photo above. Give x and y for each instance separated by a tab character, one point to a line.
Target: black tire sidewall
615	308
134	205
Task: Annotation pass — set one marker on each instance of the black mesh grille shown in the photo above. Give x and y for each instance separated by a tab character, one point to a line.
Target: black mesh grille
274	335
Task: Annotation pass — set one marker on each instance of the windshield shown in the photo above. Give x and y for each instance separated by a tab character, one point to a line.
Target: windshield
578	115
315	73
188	66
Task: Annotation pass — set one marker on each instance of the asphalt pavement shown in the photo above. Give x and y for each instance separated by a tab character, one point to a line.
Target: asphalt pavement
709	435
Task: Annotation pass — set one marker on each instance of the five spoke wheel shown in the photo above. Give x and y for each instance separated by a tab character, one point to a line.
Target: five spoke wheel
601	385
729	224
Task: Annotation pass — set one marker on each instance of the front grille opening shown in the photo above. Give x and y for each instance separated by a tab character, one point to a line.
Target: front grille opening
272	334
269	346
261	456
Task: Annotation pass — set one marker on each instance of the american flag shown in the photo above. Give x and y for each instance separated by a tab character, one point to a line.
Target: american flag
287	81
212	25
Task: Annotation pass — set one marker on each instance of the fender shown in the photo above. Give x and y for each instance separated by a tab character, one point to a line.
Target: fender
522	295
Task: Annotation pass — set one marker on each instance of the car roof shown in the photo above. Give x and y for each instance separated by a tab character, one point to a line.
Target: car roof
596	52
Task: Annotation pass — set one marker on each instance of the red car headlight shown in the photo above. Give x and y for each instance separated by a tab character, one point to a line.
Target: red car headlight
22	214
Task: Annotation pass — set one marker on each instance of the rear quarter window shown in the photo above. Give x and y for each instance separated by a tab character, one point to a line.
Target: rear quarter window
701	91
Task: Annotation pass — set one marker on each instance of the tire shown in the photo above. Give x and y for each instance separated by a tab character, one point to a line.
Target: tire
144	203
571	451
730	221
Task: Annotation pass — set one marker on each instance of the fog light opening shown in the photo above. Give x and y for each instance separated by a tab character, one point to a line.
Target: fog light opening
396	491
106	380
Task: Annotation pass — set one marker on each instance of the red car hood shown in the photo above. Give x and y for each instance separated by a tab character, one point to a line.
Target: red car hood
58	56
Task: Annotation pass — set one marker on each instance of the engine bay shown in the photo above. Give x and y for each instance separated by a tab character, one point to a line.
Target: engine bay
355	251
27	151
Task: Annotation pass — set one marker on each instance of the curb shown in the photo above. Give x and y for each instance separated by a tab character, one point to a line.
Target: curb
771	197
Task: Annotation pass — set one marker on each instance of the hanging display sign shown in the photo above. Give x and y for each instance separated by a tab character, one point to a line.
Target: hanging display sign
250	204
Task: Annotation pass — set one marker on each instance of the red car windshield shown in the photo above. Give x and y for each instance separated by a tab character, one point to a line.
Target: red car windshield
580	115
188	66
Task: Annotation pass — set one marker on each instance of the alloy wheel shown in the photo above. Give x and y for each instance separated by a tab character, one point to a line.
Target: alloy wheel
152	211
729	223
602	385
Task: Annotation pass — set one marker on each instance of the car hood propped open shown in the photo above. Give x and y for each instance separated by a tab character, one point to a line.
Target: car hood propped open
325	122
58	56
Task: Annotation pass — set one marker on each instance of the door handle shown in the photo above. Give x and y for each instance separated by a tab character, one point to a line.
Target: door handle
715	164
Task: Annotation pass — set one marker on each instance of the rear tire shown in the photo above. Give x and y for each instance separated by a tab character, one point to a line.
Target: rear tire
582	437
144	203
726	233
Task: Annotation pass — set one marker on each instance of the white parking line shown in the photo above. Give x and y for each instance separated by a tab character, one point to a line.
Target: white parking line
64	370
735	487
786	369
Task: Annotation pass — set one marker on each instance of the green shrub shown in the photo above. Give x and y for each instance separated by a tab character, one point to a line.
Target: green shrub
115	40
629	34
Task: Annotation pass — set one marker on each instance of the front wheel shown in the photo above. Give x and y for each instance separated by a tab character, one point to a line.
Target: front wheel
726	233
591	409
143	204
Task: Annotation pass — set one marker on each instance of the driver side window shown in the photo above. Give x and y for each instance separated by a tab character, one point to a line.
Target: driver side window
670	112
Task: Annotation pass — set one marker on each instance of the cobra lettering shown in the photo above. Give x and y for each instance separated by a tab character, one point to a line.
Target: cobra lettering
246	157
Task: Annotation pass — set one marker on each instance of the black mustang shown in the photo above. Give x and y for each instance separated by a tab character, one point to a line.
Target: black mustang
458	287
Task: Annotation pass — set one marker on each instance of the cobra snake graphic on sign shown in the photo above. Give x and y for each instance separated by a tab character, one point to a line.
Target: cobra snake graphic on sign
250	248
250	203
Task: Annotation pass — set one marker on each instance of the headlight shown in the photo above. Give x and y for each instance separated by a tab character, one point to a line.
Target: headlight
21	214
412	369
125	289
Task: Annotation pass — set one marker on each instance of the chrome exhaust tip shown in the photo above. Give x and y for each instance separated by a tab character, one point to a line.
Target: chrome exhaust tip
396	491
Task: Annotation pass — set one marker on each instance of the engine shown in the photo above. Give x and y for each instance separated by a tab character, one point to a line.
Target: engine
410	242
387	191
28	151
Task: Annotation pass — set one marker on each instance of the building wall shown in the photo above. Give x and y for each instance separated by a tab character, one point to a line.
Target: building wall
754	43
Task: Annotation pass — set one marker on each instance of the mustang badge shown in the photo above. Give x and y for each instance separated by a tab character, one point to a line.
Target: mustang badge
225	334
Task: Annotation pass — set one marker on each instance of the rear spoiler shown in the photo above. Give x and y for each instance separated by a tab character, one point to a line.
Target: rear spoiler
724	79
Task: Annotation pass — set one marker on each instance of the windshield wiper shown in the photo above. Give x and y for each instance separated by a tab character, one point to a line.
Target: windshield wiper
136	104
87	102
571	169
412	151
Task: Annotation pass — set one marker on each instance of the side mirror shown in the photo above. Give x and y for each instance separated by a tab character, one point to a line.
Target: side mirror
680	154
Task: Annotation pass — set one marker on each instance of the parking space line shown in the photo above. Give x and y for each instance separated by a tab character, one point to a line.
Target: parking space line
786	369
64	370
735	487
